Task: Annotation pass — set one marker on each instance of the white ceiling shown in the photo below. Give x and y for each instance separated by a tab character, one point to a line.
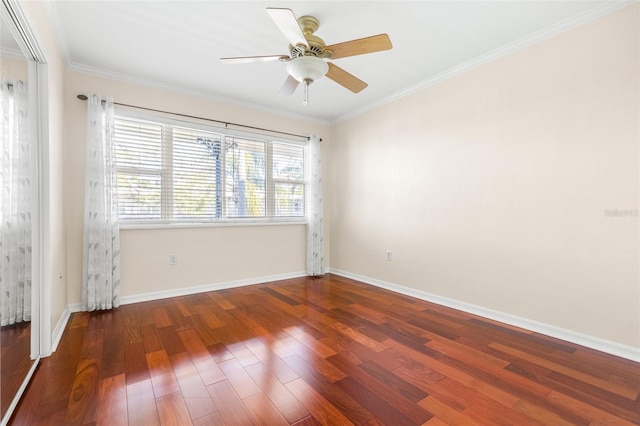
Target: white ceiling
178	44
8	44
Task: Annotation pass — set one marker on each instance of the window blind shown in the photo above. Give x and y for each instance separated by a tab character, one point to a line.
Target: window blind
174	173
138	153
196	174
245	178
288	177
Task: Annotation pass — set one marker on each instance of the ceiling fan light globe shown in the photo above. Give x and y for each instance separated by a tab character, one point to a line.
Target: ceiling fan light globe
307	68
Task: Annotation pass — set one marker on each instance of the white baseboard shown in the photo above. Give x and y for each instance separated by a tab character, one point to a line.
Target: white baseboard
165	294
607	346
60	327
156	295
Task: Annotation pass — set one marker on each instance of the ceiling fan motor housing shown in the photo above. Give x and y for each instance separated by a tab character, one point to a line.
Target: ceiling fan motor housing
315	49
309	25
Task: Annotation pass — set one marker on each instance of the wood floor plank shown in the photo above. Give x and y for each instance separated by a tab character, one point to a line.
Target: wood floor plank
219	299
112	402
170	339
231	409
389	395
319	407
538	413
456	395
307	361
256	328
211	419
307	421
488	411
151	338
451	372
265	351
322	350
201	357
113	348
381	409
595	414
200	407
277	393
172	410
242	354
401	386
359	337
162	377
446	413
83	399
60	370
239	378
141	404
310	342
161	318
263	411
188	378
326	388
135	363
613	387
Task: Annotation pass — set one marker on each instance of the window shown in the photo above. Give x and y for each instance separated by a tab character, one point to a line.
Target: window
182	173
288	179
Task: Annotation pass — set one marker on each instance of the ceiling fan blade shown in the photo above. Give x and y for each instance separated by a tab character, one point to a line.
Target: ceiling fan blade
360	46
249	59
288	24
290	85
345	79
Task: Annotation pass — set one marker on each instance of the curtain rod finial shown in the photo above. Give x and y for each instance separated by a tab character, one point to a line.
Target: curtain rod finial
82	97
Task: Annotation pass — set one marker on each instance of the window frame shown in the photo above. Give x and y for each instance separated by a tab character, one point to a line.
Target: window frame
166	208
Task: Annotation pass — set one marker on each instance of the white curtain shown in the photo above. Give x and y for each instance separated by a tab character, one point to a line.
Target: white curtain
315	234
101	254
16	171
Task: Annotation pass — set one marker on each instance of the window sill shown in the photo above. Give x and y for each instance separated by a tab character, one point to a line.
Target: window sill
177	225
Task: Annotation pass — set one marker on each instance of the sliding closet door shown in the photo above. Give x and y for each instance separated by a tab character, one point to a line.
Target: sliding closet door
20	206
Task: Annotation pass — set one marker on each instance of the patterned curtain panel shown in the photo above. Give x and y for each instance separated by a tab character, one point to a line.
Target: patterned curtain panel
16	171
101	254
315	233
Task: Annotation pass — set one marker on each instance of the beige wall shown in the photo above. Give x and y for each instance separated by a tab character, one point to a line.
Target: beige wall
491	188
205	255
208	256
55	238
14	68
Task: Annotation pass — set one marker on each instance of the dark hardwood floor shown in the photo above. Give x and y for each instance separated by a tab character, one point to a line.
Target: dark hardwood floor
15	360
319	351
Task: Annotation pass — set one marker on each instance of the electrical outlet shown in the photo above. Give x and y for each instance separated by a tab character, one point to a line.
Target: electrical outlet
173	259
389	256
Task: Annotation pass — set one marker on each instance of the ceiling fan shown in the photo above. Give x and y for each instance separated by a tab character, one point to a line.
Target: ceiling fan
308	53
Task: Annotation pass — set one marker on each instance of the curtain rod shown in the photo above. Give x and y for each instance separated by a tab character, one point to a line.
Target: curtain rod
226	123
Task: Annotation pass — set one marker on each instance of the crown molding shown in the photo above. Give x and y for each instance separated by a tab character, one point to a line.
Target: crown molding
99	72
6	52
515	46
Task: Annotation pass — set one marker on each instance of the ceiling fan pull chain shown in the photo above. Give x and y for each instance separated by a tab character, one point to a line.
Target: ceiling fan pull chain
306	92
